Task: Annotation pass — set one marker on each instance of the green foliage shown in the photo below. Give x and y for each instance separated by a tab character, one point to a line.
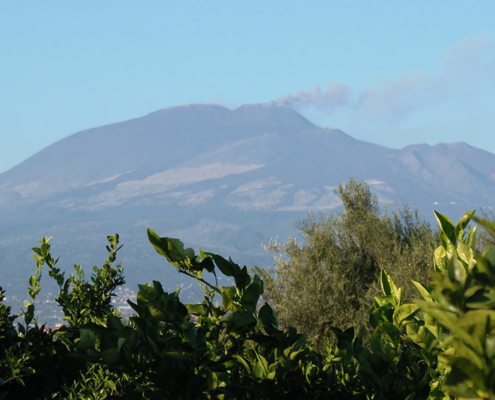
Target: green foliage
83	301
206	350
7	331
36	362
461	310
438	348
335	272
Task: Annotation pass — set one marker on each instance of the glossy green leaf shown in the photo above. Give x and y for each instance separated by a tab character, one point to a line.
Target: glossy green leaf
465	253
420	335
229	295
212	380
146	293
423	291
243	362
446	226
242	278
457	272
228	268
252	294
471	237
171	249
463	223
405	313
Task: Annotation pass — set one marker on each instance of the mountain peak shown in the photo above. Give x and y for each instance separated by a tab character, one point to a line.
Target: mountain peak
190	108
270	112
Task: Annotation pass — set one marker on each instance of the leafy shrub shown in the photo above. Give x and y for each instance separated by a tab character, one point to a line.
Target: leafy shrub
332	277
436	348
36	362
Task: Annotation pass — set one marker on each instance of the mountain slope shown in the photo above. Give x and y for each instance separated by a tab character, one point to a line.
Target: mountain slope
272	150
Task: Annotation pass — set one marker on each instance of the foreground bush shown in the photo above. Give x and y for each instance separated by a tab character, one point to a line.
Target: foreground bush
437	348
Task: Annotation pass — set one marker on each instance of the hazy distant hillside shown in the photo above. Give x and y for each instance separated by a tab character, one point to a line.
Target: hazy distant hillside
225	180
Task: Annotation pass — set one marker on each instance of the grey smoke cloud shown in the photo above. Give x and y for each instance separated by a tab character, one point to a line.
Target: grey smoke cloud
465	73
337	95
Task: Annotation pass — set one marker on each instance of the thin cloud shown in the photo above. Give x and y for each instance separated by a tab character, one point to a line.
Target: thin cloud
394	98
468	69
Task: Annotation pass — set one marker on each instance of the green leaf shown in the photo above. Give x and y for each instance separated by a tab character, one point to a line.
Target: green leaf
189	253
420	335
212	380
385	341
206	263
423	291
383	301
229	294
114	323
439	258
465	253
431	324
457	272
471	238
114	240
241	322
33	281
110	385
252	294
473	327
480	299
29	314
171	249
146	294
405	313
243	363
446	226
196	309
465	379
344	338
242	278
262	364
388	286
227	268
268	319
120	343
87	340
463	223
438	312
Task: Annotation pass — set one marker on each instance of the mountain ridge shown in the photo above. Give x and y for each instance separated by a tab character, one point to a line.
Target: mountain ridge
173	139
228	179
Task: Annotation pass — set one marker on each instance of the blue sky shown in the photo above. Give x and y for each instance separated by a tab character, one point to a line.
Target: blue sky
388	72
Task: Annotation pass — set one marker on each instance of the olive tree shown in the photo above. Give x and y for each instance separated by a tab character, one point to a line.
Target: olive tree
332	276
